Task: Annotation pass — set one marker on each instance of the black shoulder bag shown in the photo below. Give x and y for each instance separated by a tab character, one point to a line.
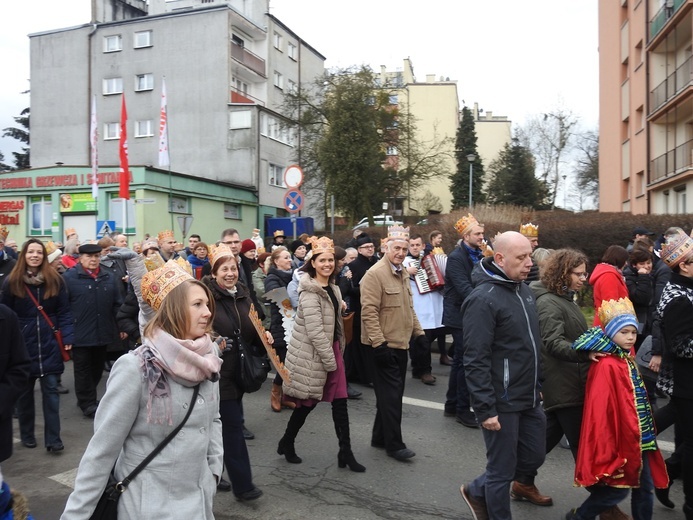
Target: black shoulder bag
107	507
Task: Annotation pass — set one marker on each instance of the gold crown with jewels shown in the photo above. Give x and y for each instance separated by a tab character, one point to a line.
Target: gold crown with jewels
321	245
217	252
157	284
612	308
465	224
529	230
397	233
165	235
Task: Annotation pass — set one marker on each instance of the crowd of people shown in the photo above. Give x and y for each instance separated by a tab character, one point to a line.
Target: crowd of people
525	367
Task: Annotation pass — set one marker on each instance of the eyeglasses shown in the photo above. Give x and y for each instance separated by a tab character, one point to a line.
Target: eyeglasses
368	246
582	276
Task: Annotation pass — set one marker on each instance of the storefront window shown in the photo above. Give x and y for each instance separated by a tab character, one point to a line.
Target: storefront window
115	212
40	215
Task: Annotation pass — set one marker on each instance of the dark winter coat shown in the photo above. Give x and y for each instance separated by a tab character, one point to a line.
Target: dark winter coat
502	344
7	263
94	303
565	369
352	290
39	338
277	278
232	314
641	294
14	375
127	318
458	285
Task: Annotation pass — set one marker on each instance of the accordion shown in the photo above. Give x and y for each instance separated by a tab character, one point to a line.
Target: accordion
431	273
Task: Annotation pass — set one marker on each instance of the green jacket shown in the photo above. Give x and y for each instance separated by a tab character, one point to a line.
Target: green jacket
565	370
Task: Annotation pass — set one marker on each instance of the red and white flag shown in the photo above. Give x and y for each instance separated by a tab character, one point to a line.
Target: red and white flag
94	136
164	159
124	192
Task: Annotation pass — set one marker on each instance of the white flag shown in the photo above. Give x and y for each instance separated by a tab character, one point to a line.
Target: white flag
94	136
164	159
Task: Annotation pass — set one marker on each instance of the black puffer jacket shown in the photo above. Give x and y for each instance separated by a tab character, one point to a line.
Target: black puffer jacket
128	318
232	314
502	343
277	278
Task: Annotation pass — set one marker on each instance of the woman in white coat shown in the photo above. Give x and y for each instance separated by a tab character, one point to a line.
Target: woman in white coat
148	394
314	354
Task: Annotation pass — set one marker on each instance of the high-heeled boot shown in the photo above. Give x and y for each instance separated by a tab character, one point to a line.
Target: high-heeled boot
276	398
286	444
340	417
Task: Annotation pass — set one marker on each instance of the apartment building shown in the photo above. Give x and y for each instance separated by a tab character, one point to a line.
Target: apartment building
226	66
646	106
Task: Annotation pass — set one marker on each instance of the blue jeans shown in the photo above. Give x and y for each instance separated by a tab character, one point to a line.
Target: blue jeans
51	410
604	497
519	446
236	458
457	396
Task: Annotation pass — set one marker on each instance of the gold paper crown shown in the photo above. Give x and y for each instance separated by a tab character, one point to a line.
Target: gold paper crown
465	224
486	249
153	262
4	232
321	245
612	308
678	248
279	233
157	284
217	252
529	230
50	246
397	233
70	231
165	235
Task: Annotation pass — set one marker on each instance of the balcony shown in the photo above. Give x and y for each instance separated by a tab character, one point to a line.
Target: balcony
243	98
672	162
667	89
247	58
660	19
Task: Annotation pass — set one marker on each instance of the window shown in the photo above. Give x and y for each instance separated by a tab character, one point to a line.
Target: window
240	86
293	86
277	41
111	131
393	99
278	80
143	39
240	119
113	43
144	82
179	205
391	150
115	211
276	175
292	51
232	211
275	129
41	215
112	86
144	128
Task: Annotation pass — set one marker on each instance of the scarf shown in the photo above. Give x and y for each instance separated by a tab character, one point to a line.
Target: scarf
474	254
595	340
187	362
33	278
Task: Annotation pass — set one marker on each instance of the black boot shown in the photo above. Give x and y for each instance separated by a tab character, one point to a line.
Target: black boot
340	417
286	444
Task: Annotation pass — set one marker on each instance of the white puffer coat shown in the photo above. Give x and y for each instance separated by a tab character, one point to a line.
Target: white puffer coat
309	355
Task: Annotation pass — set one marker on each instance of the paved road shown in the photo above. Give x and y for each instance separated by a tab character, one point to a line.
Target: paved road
448	454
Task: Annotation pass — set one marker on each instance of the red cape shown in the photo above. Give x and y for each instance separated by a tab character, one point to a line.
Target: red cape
609	450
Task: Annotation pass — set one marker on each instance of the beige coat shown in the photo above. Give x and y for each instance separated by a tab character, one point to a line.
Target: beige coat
309	355
387	308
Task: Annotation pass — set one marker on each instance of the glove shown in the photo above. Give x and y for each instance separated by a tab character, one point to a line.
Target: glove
122	253
382	353
422	342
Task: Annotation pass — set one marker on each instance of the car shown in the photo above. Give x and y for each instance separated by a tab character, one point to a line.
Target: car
378	220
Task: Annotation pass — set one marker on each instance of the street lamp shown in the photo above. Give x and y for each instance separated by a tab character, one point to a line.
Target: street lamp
471	158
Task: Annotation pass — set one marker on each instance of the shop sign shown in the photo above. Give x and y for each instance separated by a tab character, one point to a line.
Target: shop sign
51	181
6	208
77	202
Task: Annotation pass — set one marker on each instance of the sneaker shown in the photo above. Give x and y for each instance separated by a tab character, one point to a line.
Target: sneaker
477	507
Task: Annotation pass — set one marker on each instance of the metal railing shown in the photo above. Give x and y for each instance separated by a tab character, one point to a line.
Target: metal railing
247	58
674	161
671	86
661	17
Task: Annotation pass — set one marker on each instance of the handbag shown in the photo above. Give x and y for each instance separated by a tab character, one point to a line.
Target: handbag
58	334
107	506
253	366
348	320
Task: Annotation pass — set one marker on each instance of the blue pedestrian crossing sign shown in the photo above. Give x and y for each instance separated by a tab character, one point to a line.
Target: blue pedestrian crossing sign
293	200
104	227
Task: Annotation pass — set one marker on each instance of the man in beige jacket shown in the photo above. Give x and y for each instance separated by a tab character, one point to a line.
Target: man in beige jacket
388	323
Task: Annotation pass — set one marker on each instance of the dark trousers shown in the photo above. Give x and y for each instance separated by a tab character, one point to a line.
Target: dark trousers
388	382
357	361
684	419
457	396
519	447
438	336
26	412
664	417
236	458
420	359
88	365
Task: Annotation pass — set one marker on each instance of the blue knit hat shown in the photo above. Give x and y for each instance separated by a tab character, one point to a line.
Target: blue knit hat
616	314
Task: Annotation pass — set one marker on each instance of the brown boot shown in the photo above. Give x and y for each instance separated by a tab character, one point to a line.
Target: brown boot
276	398
530	493
614	513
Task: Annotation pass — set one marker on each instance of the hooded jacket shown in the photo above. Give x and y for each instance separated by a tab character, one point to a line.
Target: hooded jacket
277	278
502	343
608	284
565	370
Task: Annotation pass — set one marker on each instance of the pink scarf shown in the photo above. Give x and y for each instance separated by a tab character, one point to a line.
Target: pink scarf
187	362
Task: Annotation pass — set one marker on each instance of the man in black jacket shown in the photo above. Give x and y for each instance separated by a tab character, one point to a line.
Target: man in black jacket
502	366
7	262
